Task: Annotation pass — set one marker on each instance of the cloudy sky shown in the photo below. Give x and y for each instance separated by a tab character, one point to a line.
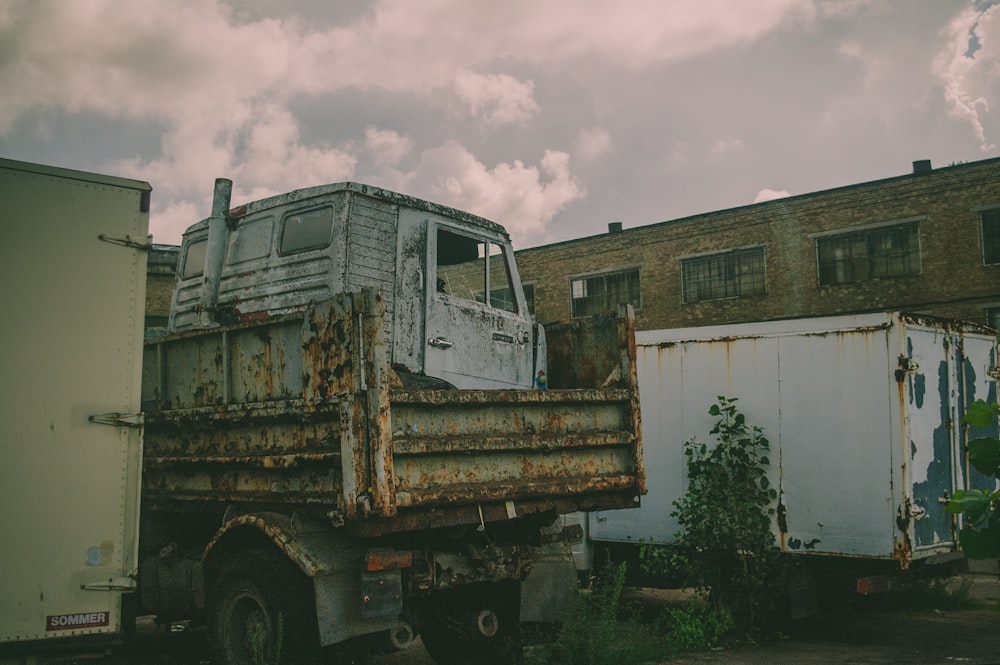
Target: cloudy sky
552	117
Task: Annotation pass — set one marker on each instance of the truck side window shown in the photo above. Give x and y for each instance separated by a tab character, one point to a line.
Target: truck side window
501	289
466	267
194	258
251	240
306	229
460	273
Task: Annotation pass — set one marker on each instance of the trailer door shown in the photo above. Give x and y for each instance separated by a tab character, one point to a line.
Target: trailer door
977	381
73	270
933	415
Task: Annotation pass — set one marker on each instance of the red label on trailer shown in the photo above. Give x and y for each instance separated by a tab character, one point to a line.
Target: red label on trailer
75	621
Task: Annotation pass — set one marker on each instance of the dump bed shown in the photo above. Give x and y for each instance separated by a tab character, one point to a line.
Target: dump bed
303	412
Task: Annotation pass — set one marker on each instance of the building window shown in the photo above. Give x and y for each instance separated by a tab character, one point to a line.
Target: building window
602	293
858	256
989	222
993	317
733	274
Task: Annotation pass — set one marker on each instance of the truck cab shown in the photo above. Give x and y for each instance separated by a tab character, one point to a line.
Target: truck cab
448	278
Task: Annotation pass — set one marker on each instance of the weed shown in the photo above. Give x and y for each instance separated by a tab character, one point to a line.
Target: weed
603	630
600	631
693	626
725	545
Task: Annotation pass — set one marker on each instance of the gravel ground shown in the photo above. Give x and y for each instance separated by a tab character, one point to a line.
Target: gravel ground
858	635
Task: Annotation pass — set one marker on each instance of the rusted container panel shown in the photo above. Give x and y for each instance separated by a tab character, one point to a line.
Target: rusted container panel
583	352
303	411
862	412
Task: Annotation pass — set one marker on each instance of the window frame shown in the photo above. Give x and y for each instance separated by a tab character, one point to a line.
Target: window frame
282	251
991	251
603	275
992	316
199	248
865	237
490	266
688	263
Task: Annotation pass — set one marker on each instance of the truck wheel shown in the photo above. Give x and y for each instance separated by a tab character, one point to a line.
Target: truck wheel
261	610
453	630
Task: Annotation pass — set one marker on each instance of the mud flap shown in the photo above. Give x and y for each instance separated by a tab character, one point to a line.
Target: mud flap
340	609
547	592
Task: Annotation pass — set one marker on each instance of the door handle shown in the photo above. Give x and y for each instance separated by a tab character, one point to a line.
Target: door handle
440	342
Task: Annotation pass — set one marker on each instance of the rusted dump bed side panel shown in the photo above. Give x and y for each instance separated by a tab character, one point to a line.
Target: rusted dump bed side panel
303	412
511	453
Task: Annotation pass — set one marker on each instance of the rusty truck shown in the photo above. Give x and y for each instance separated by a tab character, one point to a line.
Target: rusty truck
345	443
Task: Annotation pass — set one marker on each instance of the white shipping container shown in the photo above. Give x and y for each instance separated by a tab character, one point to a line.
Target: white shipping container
863	414
73	269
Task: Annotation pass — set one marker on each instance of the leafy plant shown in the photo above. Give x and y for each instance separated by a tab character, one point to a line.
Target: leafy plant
694	626
980	537
600	631
725	545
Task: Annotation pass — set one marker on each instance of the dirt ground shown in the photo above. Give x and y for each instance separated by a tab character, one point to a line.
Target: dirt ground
862	634
868	635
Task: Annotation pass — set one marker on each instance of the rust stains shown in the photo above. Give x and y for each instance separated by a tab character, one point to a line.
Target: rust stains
303	412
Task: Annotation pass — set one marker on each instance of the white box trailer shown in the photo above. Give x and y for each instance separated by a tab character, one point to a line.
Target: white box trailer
863	413
73	266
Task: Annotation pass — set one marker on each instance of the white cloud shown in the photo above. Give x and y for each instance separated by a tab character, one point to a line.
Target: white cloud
386	146
969	75
770	195
592	143
496	99
175	216
726	146
523	198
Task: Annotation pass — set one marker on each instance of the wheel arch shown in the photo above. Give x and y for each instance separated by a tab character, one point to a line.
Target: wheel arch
261	530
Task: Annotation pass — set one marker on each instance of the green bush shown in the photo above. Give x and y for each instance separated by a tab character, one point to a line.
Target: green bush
725	546
693	626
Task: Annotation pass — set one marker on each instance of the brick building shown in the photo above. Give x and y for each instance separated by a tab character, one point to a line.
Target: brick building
161	270
927	242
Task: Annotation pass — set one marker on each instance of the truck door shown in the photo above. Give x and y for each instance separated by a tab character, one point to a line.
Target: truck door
477	332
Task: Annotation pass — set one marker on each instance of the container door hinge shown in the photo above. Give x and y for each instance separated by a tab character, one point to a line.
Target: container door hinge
128	241
119	419
117	584
905	366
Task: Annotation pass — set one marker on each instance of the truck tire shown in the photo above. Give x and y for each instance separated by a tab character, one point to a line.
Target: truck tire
450	635
261	610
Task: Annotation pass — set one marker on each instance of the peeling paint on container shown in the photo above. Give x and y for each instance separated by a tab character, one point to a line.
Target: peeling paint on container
863	414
